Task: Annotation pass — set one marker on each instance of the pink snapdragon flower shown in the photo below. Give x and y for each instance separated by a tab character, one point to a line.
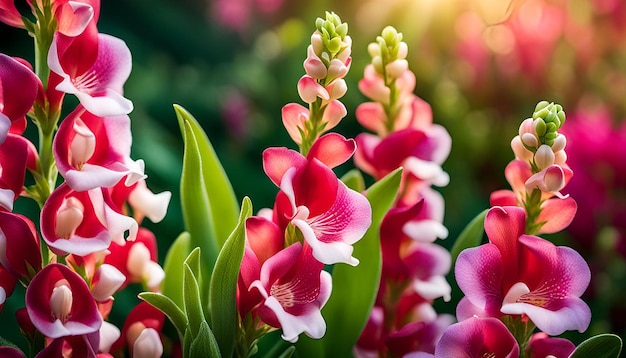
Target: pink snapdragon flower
59	303
18	89
141	333
330	216
72	16
477	337
518	274
81	223
94	152
294	288
93	67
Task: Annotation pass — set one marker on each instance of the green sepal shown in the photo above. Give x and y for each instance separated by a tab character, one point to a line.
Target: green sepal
354	180
204	344
355	288
166	305
601	346
172	286
223	289
193	303
471	235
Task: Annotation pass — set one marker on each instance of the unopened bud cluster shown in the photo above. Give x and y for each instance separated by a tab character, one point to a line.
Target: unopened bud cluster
538	141
389	53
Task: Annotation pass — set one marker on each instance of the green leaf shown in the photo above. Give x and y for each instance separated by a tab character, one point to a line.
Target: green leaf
204	344
601	346
354	180
193	261
169	308
355	288
222	199
193	303
288	352
195	203
223	289
172	285
471	235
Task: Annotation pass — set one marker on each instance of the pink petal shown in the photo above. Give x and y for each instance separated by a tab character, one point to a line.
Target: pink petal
502	198
73	17
9	14
504	225
14	153
332	149
557	214
264	237
364	156
19	245
334	112
18	89
276	161
371	115
479	273
309	90
516	173
372	86
294	118
541	345
477	337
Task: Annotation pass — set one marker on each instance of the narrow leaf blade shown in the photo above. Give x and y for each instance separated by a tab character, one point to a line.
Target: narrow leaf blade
222	293
169	308
222	199
193	303
172	286
204	344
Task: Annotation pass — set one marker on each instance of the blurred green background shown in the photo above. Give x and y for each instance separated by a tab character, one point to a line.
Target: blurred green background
481	64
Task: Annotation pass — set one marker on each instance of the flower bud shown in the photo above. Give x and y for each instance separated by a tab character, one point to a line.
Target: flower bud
544	157
83	145
396	68
61	301
529	140
559	143
108	280
148	344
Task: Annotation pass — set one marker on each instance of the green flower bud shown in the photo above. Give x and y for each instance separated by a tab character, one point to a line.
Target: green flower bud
540	127
541	105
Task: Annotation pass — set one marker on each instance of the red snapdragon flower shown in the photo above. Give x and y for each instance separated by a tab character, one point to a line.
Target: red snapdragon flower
19	245
294	288
85	222
59	303
93	152
477	337
16	155
330	216
18	89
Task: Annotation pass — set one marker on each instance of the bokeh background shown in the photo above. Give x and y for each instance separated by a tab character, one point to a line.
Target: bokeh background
481	64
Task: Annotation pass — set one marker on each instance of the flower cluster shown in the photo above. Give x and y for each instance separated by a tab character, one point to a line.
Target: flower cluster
414	267
316	218
85	221
519	281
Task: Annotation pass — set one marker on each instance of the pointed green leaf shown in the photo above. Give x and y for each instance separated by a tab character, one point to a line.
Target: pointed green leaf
172	285
204	344
195	203
193	261
471	236
355	288
354	180
222	294
601	346
288	352
193	304
222	199
169	308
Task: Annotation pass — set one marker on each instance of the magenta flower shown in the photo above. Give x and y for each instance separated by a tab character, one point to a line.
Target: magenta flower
93	152
7	285
81	223
16	154
18	89
477	337
59	303
294	288
330	216
518	274
93	67
19	245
